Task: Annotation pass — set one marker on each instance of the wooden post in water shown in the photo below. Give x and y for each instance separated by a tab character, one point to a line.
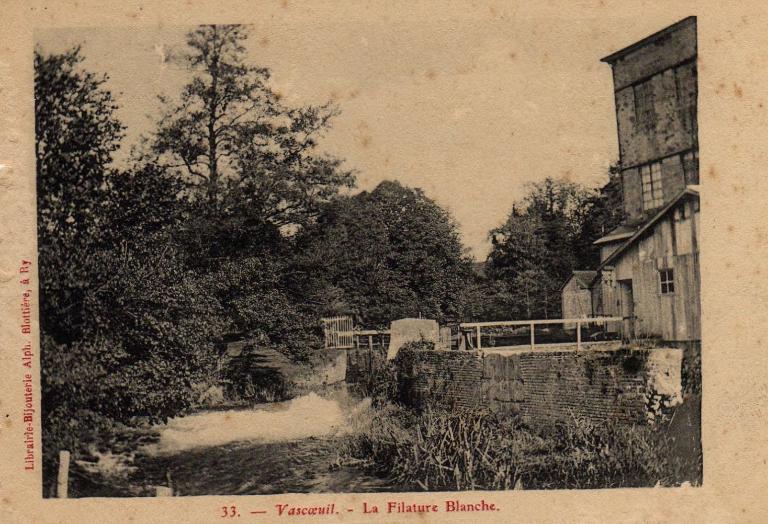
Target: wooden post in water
62	485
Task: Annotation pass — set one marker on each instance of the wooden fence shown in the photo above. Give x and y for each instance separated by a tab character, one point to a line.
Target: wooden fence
339	333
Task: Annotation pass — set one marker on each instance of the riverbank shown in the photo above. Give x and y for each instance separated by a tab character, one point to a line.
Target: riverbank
438	450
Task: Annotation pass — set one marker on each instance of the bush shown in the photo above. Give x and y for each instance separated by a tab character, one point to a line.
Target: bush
247	378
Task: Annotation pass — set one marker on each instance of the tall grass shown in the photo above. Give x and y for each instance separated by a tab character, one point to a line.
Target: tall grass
439	450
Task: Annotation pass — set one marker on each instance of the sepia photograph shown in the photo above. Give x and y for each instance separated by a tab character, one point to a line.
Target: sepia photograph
448	256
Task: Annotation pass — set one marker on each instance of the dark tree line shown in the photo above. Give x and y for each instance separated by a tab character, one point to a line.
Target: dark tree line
548	234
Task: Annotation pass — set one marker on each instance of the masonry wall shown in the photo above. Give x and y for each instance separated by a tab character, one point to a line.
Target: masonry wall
453	379
363	364
327	367
546	386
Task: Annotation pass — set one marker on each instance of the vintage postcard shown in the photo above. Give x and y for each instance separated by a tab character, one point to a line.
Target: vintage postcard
383	262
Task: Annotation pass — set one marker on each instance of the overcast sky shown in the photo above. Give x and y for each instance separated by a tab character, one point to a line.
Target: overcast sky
467	110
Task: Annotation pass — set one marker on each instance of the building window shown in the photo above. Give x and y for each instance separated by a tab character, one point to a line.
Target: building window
645	112
667	279
691	167
652	194
685	89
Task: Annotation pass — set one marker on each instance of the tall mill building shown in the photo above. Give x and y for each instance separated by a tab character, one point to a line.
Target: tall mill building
649	271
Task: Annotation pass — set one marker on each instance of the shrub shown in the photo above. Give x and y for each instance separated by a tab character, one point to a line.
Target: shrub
247	378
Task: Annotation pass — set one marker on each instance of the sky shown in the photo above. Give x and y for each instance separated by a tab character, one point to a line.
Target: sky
469	110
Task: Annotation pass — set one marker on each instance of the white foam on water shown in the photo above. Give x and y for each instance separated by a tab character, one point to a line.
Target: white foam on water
304	417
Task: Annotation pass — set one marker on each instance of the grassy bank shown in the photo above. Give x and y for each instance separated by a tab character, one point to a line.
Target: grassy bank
438	450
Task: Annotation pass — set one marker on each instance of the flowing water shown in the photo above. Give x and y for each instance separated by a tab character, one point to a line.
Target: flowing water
283	447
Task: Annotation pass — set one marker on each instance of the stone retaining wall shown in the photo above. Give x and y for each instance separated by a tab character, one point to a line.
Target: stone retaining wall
545	385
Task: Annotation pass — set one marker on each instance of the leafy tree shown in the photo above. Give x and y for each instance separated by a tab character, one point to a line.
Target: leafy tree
252	176
382	255
518	245
236	147
602	212
534	250
125	328
254	293
548	234
76	134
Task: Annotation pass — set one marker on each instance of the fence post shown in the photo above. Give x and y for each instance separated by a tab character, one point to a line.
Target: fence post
578	335
62	485
370	342
532	338
479	346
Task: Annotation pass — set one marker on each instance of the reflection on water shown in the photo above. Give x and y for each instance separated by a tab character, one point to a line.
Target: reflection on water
286	447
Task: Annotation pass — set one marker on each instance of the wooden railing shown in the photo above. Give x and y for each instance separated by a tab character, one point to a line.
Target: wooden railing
476	327
369	334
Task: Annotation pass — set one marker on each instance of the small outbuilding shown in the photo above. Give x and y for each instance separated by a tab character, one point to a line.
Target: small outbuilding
576	295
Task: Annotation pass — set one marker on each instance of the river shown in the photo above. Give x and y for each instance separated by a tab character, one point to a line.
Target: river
282	447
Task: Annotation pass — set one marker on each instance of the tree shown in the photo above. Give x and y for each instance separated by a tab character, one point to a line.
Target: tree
382	255
548	234
602	212
252	176
237	149
125	329
534	250
76	134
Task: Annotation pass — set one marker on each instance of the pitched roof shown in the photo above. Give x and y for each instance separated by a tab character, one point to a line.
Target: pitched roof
620	233
583	278
688	191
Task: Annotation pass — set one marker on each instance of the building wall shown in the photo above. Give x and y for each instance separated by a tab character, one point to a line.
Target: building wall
655	90
608	248
662	53
453	379
576	301
671	128
672	243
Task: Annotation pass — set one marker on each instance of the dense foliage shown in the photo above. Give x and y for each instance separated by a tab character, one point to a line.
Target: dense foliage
386	254
546	236
125	330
